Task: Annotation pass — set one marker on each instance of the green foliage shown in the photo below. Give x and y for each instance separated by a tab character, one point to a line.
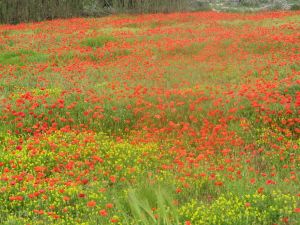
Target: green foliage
149	6
295	7
21	57
97	42
189	50
16	11
9	58
149	205
200	6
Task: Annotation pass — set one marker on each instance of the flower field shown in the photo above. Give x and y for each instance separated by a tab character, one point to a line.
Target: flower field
169	119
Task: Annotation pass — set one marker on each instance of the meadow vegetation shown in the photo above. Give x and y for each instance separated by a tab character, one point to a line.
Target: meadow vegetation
169	119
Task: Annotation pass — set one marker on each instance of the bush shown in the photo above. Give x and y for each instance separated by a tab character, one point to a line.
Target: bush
16	11
200	6
295	7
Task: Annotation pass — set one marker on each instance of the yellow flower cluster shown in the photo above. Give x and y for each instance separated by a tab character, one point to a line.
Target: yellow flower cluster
248	209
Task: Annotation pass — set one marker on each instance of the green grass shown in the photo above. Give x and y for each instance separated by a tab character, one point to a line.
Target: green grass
97	42
22	57
187	51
